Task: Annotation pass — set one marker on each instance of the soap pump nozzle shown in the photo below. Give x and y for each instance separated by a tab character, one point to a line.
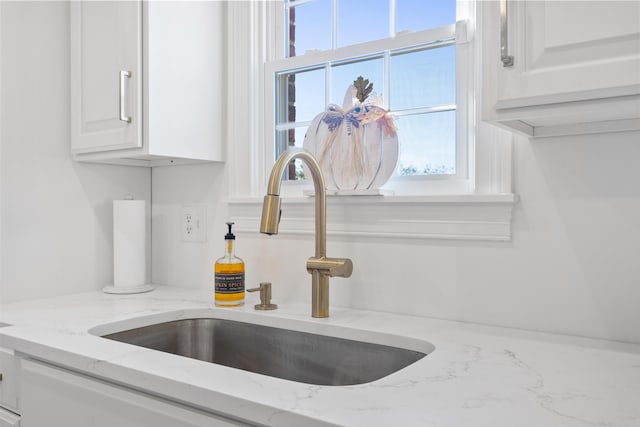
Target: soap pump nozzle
230	235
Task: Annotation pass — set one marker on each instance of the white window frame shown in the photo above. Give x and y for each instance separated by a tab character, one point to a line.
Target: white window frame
476	207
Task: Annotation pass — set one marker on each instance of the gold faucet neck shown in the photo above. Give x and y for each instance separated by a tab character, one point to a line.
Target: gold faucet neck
275	180
271	207
320	267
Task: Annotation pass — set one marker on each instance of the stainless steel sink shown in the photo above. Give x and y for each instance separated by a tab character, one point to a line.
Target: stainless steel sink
282	353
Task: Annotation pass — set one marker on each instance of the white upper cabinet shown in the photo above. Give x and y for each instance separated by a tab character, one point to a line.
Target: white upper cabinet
561	67
147	82
106	67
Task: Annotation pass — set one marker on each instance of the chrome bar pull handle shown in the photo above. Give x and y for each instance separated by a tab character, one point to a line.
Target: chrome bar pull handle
123	96
507	60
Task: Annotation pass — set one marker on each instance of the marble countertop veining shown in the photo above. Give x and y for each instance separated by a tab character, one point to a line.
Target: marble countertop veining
477	375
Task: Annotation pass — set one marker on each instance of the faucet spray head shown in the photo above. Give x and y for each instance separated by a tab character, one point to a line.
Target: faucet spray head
270	214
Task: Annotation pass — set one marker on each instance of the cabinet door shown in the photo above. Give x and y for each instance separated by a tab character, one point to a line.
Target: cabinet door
8	380
106	47
570	51
56	397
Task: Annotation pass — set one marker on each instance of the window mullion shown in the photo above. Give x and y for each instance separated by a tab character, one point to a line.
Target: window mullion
424	110
334	24
327	83
392	18
289	3
293	125
386	73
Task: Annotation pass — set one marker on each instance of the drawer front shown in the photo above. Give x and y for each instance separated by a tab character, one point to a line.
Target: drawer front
52	396
9	419
9	381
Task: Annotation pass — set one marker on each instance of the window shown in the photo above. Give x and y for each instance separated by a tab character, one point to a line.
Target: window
407	48
472	202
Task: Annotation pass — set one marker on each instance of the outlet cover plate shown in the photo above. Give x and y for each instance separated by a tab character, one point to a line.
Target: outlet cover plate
193	223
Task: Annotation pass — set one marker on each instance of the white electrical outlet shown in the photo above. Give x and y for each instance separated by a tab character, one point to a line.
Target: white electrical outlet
193	223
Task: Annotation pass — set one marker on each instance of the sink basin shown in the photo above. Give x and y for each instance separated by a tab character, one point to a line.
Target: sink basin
283	353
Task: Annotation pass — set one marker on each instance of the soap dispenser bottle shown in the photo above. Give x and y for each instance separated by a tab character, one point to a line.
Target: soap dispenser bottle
229	275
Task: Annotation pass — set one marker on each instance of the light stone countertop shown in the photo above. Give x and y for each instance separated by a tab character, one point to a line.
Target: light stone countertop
477	375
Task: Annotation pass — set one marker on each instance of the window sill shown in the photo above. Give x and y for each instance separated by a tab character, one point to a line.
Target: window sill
449	217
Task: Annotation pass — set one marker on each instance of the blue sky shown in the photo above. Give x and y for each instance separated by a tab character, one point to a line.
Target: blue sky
360	21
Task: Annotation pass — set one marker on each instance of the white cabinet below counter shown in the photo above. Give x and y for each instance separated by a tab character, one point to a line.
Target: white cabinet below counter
147	82
9	419
9	368
561	67
73	400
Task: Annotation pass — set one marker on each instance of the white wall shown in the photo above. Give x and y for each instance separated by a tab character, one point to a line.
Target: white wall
572	266
56	232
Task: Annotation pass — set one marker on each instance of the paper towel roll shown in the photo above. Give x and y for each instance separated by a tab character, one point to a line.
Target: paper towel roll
129	247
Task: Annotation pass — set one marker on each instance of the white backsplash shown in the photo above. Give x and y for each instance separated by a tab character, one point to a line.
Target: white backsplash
570	268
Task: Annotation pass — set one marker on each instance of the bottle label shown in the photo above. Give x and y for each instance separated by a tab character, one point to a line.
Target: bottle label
229	283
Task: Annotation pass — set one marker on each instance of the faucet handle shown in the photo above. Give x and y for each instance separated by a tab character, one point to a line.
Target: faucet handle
265	297
333	267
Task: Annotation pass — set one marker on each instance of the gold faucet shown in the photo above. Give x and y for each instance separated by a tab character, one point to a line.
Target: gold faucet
319	266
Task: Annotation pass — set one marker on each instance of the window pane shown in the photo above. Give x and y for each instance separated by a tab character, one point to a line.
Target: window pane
291	138
423	79
362	21
301	95
342	76
418	77
287	138
419	15
427	144
309	27
300	132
